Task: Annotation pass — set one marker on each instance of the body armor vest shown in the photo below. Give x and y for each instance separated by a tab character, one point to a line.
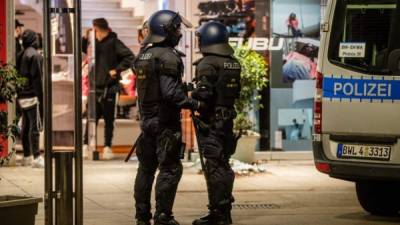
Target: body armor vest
227	87
150	64
148	80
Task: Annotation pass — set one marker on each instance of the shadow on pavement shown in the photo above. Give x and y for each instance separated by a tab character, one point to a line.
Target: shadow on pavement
364	216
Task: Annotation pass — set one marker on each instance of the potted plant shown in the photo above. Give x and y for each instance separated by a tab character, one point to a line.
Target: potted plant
10	83
17	210
253	79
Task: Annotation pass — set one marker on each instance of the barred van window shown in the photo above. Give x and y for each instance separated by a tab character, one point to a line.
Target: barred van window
364	33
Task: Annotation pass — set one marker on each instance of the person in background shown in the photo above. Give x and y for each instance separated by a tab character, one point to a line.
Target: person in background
293	25
143	31
30	98
295	134
19	29
112	57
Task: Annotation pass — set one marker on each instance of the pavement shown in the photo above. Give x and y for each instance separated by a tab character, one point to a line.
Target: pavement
289	193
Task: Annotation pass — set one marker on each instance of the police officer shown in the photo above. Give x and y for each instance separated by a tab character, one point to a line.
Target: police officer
218	86
159	70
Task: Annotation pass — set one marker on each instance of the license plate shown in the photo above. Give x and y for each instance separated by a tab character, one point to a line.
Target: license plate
368	152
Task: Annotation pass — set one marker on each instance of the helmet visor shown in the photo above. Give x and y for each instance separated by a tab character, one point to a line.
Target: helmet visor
178	19
186	22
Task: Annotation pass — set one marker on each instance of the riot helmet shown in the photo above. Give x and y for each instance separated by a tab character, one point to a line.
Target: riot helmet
165	26
214	38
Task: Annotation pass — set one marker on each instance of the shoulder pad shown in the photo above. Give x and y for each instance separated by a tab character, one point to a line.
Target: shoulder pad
170	63
206	68
208	61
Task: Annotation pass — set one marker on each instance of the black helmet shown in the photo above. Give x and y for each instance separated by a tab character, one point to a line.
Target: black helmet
214	38
164	24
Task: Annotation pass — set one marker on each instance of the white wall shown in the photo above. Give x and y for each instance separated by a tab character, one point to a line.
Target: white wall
34	4
31	20
142	7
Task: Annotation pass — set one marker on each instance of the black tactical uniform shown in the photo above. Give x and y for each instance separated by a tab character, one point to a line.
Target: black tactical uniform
159	70
218	86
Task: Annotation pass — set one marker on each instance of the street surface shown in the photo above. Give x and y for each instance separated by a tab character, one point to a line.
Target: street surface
290	193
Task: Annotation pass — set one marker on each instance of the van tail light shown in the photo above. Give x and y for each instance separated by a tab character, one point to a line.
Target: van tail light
323	167
318	109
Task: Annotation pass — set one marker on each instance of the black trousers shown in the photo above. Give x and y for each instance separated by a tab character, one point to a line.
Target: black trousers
106	109
217	148
152	155
30	132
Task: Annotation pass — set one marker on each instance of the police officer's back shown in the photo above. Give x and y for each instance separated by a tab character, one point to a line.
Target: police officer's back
218	86
159	70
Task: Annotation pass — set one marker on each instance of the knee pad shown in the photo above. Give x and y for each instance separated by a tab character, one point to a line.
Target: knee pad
173	170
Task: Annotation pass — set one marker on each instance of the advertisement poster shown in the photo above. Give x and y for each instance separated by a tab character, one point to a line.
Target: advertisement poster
248	22
293	72
238	16
298	22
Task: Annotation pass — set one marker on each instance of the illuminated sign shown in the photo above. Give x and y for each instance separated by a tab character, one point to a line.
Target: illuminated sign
258	43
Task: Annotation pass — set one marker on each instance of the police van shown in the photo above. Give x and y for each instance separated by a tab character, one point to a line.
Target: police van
357	100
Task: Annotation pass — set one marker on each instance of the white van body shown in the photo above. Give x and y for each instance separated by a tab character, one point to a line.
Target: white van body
357	113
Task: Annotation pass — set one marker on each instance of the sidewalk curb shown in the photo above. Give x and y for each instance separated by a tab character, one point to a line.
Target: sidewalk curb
282	155
276	156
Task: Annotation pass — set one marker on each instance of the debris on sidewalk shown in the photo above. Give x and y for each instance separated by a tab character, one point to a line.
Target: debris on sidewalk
245	169
240	168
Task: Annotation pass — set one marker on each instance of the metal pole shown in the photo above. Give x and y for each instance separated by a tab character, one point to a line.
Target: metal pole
64	190
78	115
48	203
92	114
11	107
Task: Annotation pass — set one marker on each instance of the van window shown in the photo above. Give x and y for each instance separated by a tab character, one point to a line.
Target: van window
364	33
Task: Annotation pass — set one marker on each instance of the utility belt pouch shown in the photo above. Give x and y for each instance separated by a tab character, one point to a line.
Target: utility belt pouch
202	126
231	141
28	103
171	142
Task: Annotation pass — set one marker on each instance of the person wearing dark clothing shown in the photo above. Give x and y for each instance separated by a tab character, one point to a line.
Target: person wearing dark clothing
218	86
18	38
161	93
112	58
30	98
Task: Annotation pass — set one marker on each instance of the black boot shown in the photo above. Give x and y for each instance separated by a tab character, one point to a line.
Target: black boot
204	220
143	222
214	217
164	219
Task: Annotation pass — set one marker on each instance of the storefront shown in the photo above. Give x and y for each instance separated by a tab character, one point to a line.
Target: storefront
285	33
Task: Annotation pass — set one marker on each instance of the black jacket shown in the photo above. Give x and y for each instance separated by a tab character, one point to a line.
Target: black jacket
111	54
160	88
18	47
29	65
